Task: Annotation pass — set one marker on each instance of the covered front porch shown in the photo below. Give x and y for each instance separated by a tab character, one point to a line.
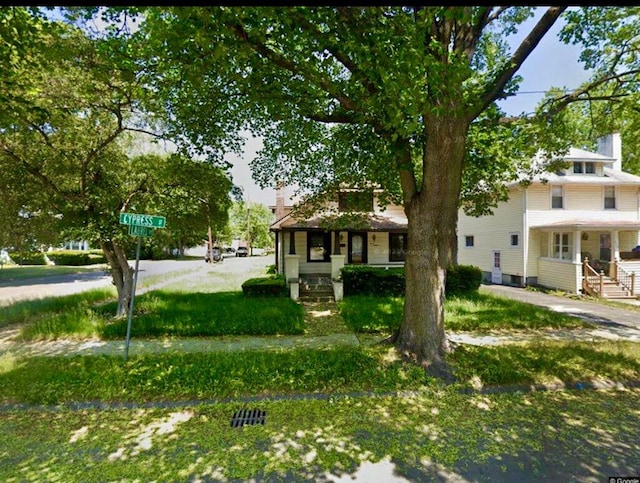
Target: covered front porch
594	257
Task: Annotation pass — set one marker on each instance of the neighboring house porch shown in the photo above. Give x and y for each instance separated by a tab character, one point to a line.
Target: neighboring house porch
595	257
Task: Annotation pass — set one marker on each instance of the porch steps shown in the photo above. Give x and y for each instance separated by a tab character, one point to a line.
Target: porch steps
316	288
612	290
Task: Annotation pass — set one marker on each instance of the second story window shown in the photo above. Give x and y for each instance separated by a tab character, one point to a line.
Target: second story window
609	197
355	201
557	197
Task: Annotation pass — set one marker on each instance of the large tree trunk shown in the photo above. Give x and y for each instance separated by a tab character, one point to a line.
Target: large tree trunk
121	273
432	218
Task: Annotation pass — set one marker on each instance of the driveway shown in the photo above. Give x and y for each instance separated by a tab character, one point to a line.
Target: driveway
612	322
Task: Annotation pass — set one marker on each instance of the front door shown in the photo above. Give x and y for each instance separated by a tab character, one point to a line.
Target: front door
358	248
496	270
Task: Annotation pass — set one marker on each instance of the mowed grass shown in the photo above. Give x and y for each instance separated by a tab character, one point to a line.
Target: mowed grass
474	312
273	373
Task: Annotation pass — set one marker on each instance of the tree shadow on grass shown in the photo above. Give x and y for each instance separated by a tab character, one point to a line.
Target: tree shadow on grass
539	363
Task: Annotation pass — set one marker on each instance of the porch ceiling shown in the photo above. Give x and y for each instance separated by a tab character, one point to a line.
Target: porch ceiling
584	225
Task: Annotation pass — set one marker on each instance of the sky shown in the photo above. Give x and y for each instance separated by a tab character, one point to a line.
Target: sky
551	64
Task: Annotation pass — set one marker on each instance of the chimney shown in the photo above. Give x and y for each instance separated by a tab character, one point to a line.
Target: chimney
611	145
279	200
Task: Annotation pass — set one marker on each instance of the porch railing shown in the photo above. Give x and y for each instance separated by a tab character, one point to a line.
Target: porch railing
624	278
592	281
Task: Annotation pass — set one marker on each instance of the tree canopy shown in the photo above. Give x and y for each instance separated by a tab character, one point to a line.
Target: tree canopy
400	96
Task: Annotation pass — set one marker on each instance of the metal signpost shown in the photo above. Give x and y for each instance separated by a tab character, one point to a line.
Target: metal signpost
139	226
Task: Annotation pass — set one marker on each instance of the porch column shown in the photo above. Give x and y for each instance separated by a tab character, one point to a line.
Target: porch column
336	242
292	242
577	247
292	275
615	253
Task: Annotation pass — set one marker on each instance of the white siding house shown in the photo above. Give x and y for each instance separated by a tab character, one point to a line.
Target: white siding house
544	233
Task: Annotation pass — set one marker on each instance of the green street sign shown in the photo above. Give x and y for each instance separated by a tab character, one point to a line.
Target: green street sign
136	230
136	219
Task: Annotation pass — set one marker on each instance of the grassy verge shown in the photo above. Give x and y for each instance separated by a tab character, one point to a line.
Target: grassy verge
437	436
219	375
475	312
184	376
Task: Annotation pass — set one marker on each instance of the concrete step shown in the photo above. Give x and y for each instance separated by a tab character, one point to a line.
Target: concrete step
313	298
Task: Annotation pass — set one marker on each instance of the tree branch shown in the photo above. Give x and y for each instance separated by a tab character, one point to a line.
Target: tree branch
292	67
527	46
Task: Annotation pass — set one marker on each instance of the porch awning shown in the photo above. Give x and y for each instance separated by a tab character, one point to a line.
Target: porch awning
375	222
586	225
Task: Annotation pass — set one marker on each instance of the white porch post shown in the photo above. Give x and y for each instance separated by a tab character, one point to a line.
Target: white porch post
615	253
577	246
292	275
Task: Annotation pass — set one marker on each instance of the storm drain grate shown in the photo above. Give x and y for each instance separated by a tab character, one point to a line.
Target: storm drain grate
247	417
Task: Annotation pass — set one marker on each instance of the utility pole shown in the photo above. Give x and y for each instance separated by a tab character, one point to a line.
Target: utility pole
249	247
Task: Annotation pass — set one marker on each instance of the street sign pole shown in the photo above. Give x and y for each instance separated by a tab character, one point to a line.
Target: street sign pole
133	296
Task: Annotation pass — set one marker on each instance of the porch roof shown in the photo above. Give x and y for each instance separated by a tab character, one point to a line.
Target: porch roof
375	222
585	225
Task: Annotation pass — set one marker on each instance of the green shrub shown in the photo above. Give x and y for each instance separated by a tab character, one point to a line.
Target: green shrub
273	286
368	280
463	279
69	257
28	258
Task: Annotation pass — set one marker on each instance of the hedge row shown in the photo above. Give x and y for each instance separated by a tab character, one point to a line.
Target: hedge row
367	280
76	257
28	258
272	286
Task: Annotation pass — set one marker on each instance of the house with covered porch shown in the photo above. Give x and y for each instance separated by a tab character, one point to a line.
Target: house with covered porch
575	230
310	252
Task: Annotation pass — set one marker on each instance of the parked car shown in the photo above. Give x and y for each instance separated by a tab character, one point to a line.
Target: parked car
242	252
228	252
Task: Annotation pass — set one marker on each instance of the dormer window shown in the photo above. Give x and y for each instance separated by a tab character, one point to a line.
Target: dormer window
355	201
584	167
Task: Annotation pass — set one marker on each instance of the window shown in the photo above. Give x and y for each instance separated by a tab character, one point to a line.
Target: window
355	201
397	247
586	167
562	247
318	246
609	197
557	197
469	241
514	239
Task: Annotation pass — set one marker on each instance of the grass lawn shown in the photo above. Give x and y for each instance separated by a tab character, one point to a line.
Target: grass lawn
439	435
474	312
316	424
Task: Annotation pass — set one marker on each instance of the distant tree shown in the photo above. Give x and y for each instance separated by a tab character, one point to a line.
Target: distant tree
250	222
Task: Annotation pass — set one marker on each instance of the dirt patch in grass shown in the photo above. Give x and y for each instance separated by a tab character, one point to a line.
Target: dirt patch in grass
323	318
